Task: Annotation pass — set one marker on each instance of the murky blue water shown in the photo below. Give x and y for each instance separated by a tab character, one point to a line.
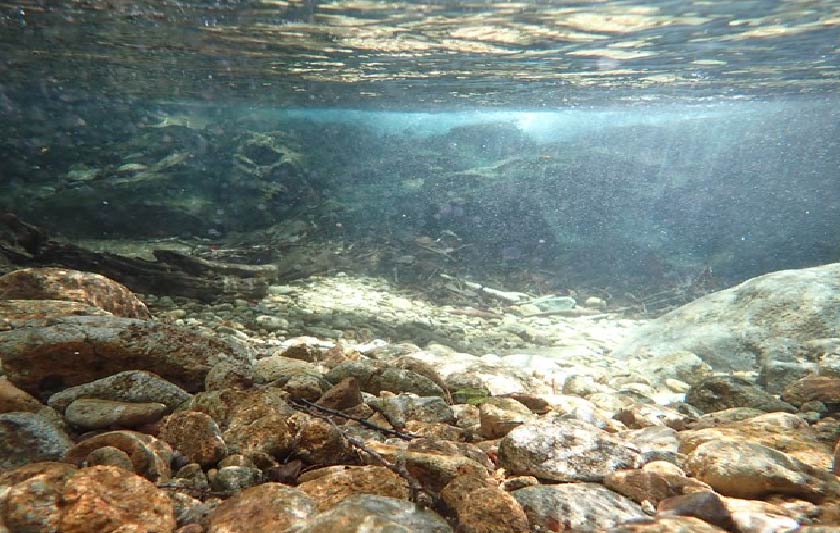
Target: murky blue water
600	142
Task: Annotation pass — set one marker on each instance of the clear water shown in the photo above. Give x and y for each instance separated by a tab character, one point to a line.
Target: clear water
604	143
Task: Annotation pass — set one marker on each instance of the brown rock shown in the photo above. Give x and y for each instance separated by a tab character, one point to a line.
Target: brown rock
57	498
434	430
654	487
229	375
149	456
751	471
72	285
195	435
784	432
498	416
319	442
35	358
456	492
31	503
106	498
109	456
490	509
813	388
266	508
102	414
303	348
12	399
343	395
669	524
190	528
329	486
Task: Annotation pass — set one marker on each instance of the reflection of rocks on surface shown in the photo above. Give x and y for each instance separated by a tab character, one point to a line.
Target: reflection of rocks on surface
215	415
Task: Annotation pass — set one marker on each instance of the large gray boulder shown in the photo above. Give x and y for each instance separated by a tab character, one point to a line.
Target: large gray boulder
764	319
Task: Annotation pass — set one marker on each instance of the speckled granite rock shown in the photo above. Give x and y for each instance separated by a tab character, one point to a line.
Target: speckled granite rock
30	495
266	508
34	357
30	438
195	435
137	386
67	500
749	470
46	283
761	319
331	485
576	506
367	512
564	450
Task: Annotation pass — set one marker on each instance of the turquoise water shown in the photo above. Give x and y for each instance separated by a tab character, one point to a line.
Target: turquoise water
617	142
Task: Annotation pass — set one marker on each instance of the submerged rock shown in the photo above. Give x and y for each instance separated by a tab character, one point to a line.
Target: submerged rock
762	319
262	509
149	457
30	438
564	450
48	283
195	435
136	386
35	358
332	485
52	498
717	393
576	506
367	512
749	470
101	414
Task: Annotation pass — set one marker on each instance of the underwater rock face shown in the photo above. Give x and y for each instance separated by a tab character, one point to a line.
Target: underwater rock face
723	392
332	485
366	512
51	497
75	350
576	506
87	502
30	438
761	320
262	509
102	414
72	285
564	450
137	386
752	471
149	457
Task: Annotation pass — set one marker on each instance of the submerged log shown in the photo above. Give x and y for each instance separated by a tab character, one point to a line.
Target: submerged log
173	274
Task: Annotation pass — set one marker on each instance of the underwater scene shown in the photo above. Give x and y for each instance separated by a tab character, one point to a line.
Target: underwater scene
419	266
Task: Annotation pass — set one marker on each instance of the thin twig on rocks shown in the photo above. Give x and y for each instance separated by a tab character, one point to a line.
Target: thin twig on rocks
388	431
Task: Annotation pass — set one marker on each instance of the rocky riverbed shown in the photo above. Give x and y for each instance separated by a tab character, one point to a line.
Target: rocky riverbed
343	404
